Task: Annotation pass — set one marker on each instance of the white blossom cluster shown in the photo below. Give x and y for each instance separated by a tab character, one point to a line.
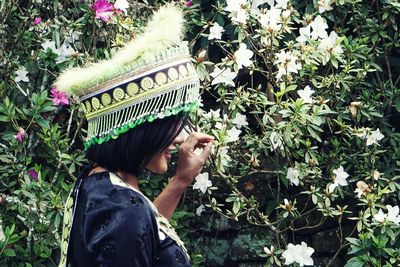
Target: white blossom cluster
300	254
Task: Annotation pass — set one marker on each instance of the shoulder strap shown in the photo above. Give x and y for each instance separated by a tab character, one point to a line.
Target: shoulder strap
69	212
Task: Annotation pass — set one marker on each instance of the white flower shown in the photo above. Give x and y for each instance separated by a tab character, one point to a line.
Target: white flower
393	214
362	189
63	52
240	120
271	20
241	16
376	175
380	216
275	143
215	32
287	64
255	4
300	254
237	10
224	76
21	75
49	44
281	4
233	134
374	137
219	125
293	176
319	27
286	202
286	205
234	5
305	34
122	5
71	38
223	156
285	14
329	46
202	182
200	210
2	235
269	251
324	5
243	56
212	114
361	132
340	178
305	94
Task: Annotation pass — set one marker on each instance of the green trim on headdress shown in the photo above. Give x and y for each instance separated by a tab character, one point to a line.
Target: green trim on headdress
191	107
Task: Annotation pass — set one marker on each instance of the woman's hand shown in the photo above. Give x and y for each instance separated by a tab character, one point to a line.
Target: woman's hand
190	164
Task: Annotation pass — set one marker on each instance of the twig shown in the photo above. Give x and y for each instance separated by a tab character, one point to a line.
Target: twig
70	121
20	89
263	172
341	248
77	131
234	189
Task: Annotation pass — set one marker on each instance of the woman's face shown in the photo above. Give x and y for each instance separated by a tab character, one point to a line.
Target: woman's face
159	164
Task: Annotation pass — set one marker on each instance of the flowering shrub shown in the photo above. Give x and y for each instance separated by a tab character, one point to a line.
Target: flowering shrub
302	98
40	147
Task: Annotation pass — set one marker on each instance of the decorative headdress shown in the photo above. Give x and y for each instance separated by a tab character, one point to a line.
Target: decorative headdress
150	78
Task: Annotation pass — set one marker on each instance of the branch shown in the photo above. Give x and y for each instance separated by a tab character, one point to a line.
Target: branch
234	189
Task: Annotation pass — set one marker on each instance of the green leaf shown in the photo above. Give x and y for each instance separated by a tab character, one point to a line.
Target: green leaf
9	252
398	105
4	118
354	262
236	206
313	133
43	123
48	107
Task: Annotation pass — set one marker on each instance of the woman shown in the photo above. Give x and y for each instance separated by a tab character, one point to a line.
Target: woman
115	224
136	105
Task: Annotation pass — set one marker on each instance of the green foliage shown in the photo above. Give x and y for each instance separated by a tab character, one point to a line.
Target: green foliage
37	171
296	148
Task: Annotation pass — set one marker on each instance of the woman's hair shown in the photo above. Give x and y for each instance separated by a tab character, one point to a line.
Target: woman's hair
133	150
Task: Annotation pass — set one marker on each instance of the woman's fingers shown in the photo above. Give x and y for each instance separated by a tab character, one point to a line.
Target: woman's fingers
195	139
206	151
190	163
201	145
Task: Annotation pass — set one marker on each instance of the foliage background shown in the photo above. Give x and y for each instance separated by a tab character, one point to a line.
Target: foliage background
360	89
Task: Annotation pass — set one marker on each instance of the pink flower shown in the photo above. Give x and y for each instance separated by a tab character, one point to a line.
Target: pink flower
37	20
189	3
33	174
103	10
20	135
59	98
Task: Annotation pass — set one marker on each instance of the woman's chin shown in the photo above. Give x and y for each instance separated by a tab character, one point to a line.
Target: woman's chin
159	164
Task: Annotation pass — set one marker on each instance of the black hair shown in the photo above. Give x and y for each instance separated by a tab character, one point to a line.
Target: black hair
131	151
